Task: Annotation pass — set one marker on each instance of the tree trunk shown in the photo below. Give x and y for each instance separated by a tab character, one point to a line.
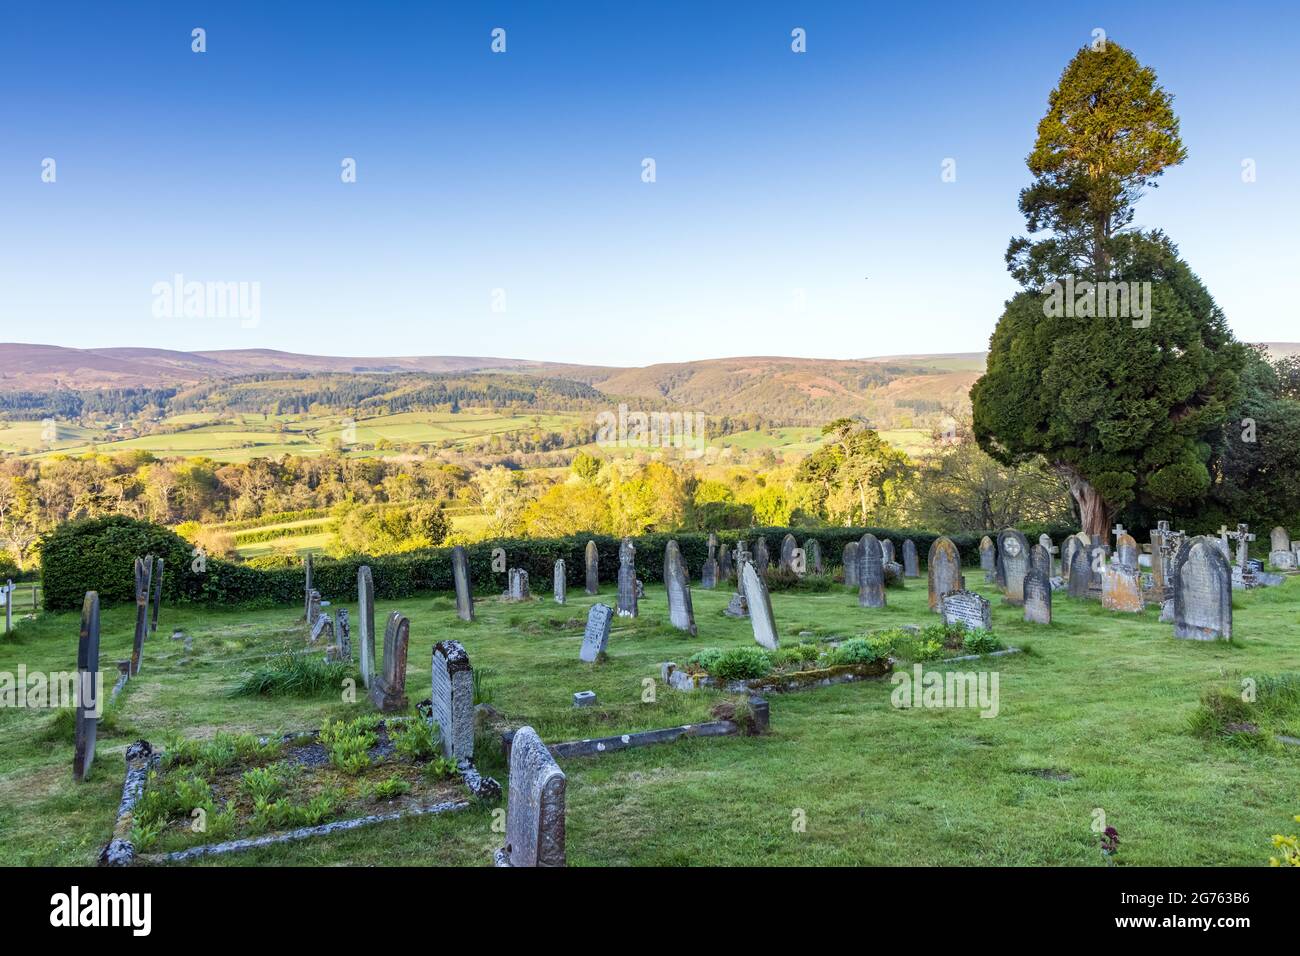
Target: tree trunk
1094	513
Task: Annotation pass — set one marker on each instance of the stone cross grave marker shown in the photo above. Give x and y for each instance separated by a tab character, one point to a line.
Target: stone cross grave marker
535	805
453	699
595	638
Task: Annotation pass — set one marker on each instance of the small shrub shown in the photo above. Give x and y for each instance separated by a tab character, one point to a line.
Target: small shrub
705	660
742	663
979	641
857	650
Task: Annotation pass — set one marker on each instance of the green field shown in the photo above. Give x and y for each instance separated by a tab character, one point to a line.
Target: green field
1093	717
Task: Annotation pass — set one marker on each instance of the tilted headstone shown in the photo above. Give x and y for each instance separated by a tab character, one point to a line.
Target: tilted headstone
591	557
366	621
561	583
911	563
453	699
323	627
1013	563
1040	560
1280	552
1126	551
157	594
681	611
343	634
463	585
813	551
1038	597
989	559
851	564
943	571
535	805
760	608
871	573
627	595
595	638
89	688
1202	592
388	692
788	546
968	609
709	573
143	574
1121	589
760	556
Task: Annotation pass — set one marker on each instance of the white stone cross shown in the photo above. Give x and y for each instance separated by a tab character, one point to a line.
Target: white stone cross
1117	531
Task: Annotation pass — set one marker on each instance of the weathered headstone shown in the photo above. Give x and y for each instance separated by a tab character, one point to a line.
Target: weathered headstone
388	692
1045	541
943	570
1202	592
89	688
157	594
812	549
323	627
560	583
681	611
871	573
343	634
366	621
709	573
737	606
788	547
306	596
452	697
1013	563
1038	597
989	559
627	596
518	589
1040	560
463	585
1121	590
1126	551
760	608
967	608
851	564
143	574
535	807
1280	552
591	557
313	611
1080	573
595	638
887	551
726	570
759	555
911	563
1243	537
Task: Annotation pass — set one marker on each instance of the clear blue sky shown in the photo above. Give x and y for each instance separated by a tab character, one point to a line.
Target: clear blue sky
782	178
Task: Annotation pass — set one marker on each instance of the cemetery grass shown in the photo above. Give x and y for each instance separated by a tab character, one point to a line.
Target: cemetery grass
1096	714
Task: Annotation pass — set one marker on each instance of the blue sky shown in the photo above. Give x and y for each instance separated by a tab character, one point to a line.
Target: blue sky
798	207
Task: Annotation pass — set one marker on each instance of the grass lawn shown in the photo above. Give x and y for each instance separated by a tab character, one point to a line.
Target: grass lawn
1094	716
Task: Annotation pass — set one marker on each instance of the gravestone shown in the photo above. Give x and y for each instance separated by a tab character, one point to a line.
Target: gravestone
143	574
89	688
989	559
1280	552
306	596
1045	542
871	573
725	568
737	607
560	583
313	610
851	564
157	594
627	595
535	805
595	638
943	571
343	634
1126	551
709	573
788	547
967	608
518	585
323	627
366	621
760	608
1038	597
759	556
1158	554
1080	576
388	692
887	551
461	580
1013	563
681	612
1068	547
452	697
814	562
1243	538
592	558
1202	592
1121	590
911	565
1040	560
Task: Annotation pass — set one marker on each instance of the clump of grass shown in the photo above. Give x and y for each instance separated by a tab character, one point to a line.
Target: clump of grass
1249	714
484	688
295	675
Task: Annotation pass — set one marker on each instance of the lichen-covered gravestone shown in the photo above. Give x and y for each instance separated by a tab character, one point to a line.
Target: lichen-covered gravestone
1121	590
788	546
1280	552
851	564
452	697
627	596
812	549
911	563
871	572
343	634
1126	551
461	580
388	692
89	688
1202	592
595	638
1013	563
681	611
989	559
759	603
887	551
366	621
1038	597
143	575
967	608
943	571
535	807
591	556
560	583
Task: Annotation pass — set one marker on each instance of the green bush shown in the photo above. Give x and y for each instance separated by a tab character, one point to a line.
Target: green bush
860	650
979	641
706	660
742	663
